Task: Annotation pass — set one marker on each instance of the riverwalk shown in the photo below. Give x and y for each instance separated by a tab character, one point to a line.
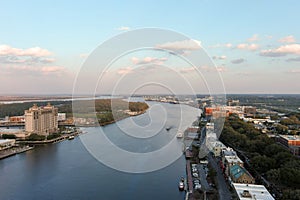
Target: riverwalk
13	151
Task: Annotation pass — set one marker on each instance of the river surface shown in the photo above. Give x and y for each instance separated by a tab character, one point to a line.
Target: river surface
72	169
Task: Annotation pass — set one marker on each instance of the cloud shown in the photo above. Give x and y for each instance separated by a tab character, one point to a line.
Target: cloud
187	70
293	71
287	39
206	68
148	60
219	57
297	59
203	68
182	46
238	61
293	49
125	70
25	60
6	50
251	47
253	38
36	70
83	55
228	45
123	28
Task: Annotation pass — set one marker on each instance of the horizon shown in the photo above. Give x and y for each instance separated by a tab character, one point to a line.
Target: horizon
247	52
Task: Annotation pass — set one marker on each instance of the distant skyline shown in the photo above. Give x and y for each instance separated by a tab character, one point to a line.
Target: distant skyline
254	44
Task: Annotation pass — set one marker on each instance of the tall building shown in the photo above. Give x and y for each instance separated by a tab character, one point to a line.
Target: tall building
41	120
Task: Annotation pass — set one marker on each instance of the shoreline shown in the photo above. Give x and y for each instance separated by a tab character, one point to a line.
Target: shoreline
14	151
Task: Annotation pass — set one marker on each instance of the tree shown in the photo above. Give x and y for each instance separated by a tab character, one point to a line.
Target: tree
9	136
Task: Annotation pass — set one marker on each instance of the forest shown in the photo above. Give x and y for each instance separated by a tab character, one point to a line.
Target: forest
107	110
266	157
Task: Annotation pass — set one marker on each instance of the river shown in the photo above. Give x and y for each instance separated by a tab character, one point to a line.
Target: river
68	170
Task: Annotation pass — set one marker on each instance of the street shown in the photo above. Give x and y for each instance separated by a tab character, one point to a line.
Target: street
224	193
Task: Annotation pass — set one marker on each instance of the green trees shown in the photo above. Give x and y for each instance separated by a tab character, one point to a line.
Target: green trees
9	136
266	156
36	137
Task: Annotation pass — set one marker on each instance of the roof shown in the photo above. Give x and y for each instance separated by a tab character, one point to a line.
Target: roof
237	171
233	159
6	140
258	192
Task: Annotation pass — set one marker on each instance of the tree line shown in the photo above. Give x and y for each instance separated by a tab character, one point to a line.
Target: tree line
267	157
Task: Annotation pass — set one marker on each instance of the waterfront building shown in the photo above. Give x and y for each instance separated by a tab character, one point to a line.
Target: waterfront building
251	191
41	120
7	143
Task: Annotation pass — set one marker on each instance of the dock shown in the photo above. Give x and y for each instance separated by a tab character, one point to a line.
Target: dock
13	151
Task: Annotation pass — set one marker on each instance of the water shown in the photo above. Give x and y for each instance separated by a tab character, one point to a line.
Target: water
66	170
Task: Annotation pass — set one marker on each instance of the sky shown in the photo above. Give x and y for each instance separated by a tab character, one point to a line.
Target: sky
254	45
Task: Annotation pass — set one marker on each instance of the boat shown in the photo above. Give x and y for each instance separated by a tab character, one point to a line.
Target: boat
179	135
71	137
181	184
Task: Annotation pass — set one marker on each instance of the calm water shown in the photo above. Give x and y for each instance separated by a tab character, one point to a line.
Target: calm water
66	170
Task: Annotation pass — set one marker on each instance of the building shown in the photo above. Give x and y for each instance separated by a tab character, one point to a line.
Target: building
250	191
17	119
7	143
217	150
249	111
229	161
239	174
292	142
232	102
41	120
61	117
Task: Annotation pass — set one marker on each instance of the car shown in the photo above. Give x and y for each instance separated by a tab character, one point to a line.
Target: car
194	165
195	175
195	170
196	182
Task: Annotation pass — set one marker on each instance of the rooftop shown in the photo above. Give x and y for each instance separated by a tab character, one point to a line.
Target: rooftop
6	140
291	137
251	191
237	171
233	159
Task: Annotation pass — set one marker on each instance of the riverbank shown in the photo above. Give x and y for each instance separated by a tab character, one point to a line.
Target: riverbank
13	151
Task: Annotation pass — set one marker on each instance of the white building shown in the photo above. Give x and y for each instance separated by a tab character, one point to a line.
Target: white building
217	149
61	117
251	191
7	143
41	120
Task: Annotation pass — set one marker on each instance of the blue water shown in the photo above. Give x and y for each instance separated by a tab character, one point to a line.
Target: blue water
66	170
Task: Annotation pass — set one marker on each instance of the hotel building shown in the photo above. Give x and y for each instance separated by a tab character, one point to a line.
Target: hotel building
41	120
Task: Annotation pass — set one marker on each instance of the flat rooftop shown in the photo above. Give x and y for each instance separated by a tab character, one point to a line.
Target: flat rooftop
291	137
233	159
6	140
258	192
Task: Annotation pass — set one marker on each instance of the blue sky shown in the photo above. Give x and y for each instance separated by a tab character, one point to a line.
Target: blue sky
256	43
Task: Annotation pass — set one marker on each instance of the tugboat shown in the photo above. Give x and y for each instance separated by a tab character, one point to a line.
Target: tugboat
181	184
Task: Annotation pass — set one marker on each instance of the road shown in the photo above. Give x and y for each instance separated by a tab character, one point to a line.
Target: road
224	193
202	177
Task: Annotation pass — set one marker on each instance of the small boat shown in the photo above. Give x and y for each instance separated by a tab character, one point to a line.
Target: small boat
181	184
179	135
71	137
